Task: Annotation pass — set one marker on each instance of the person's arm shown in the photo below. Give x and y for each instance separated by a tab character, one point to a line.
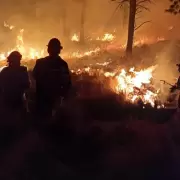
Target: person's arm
68	76
35	70
26	87
1	81
26	80
178	83
2	78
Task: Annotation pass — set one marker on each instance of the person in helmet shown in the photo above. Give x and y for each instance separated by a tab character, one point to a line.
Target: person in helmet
14	81
177	87
52	77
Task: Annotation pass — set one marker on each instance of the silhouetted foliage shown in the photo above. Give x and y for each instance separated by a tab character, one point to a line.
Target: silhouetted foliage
135	8
174	7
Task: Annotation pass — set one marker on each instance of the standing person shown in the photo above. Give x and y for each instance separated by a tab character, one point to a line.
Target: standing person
14	81
177	87
52	78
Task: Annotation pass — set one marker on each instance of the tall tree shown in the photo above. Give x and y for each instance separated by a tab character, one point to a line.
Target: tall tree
82	22
83	11
174	7
125	14
63	8
131	26
135	8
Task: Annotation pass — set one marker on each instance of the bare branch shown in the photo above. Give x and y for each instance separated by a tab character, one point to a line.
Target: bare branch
138	12
121	1
174	7
138	17
119	5
142	7
143	1
141	25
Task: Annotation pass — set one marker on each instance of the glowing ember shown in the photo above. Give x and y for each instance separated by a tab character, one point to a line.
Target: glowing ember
75	37
146	40
135	85
103	64
8	26
27	52
79	54
106	37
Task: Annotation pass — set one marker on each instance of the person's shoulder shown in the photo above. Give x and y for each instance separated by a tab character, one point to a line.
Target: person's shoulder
23	68
63	62
41	60
5	69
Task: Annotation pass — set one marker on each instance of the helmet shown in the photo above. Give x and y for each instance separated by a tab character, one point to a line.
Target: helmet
54	43
14	56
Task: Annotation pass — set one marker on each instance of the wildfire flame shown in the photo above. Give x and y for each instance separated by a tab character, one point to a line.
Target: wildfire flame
135	85
75	37
106	37
27	52
8	26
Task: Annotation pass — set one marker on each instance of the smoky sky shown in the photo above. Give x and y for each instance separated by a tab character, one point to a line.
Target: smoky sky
43	18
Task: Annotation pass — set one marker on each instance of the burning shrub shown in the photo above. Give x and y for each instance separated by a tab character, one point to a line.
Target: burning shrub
134	85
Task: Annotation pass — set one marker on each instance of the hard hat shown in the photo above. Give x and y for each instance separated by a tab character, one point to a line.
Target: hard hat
14	56
54	43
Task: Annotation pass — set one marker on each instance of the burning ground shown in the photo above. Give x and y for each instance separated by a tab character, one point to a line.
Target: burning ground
92	139
104	134
134	85
101	61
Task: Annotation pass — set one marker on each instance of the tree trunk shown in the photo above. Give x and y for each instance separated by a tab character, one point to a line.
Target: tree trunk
125	15
132	14
64	15
82	21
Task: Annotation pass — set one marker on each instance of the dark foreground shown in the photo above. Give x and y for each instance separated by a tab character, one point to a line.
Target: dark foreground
92	141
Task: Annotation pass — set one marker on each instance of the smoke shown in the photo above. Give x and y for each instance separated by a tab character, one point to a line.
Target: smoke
45	18
166	69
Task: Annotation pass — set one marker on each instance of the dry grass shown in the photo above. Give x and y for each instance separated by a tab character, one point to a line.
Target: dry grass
98	134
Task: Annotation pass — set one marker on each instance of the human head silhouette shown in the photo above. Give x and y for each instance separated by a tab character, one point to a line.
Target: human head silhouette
14	58
54	47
